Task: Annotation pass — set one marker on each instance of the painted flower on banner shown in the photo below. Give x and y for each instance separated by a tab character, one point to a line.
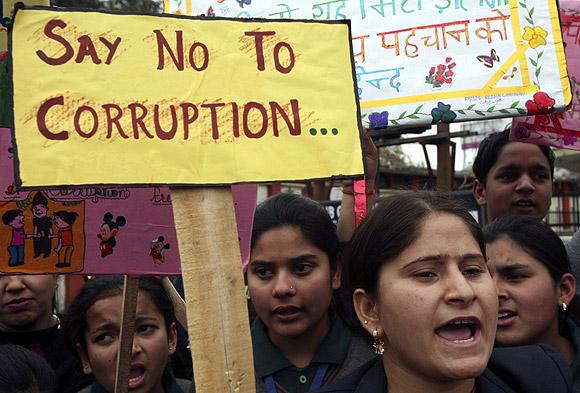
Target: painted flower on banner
442	74
542	103
569	140
378	119
535	36
442	114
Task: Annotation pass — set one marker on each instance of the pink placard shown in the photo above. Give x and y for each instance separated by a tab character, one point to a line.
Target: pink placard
96	230
560	129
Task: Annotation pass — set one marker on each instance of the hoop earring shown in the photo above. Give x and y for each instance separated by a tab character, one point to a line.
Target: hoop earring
378	343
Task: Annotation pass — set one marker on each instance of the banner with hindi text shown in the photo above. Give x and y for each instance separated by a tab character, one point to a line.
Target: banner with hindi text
430	61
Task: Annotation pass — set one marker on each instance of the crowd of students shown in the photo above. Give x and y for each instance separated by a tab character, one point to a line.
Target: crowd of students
420	299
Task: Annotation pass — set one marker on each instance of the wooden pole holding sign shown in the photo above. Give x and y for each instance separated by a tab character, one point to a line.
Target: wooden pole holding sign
217	317
130	292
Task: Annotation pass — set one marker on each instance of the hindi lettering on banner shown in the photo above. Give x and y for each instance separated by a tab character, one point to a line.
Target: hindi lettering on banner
145	100
426	62
560	129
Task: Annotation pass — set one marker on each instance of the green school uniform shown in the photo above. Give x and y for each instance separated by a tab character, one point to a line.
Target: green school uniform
339	352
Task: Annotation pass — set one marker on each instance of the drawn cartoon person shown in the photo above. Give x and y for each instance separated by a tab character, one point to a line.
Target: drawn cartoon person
109	229
42	226
64	249
157	247
15	219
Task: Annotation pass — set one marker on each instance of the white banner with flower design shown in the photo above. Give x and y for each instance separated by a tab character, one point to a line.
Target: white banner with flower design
561	129
430	61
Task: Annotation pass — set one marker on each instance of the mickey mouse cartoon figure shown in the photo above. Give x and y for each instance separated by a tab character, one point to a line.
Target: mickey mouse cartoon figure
109	229
157	247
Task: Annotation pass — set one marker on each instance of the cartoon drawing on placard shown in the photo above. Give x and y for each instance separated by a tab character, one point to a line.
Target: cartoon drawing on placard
15	219
109	229
488	60
511	74
241	3
64	249
156	250
42	226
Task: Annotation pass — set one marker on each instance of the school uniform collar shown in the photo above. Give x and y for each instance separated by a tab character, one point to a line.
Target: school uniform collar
269	360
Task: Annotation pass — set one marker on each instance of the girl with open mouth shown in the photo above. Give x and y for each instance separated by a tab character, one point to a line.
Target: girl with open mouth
423	292
93	327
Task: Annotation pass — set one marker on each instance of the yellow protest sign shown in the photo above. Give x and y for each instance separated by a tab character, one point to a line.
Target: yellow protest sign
108	98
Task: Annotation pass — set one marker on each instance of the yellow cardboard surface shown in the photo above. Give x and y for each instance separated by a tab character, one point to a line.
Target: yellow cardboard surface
104	98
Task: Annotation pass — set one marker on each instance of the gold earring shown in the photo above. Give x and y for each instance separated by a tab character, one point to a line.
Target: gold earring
57	321
378	344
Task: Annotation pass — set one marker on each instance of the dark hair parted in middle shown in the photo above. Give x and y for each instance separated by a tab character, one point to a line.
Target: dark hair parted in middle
305	214
536	238
392	226
103	287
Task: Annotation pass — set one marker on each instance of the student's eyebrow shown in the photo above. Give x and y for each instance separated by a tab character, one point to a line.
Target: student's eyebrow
426	258
145	318
516	167
512	267
440	258
509	167
540	167
261	262
302	258
297	259
104	327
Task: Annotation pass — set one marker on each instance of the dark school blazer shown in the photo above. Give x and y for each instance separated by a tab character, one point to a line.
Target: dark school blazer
526	369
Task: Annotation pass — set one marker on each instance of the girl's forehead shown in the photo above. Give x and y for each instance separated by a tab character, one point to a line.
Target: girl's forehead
107	303
110	308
